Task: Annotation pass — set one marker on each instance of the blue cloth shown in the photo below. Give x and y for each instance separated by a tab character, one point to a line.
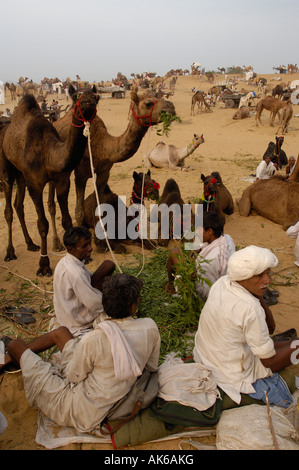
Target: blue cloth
276	388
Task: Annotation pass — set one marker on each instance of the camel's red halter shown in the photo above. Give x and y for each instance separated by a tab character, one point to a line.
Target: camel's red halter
82	118
146	190
138	118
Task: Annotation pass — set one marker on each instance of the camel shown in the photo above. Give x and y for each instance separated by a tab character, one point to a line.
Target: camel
171	196
272	104
242	113
169	156
216	197
34	148
216	92
150	191
277	155
275	199
106	150
286	116
199	98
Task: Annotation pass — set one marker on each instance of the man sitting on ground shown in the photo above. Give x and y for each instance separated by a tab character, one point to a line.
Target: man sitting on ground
233	339
77	292
266	169
100	369
212	257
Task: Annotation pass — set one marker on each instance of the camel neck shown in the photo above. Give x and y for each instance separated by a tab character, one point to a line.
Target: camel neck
130	140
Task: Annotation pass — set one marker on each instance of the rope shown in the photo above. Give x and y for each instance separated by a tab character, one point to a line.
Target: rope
141	202
86	133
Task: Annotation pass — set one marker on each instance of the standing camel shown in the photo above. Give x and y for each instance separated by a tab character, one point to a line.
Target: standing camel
199	98
33	147
107	150
272	104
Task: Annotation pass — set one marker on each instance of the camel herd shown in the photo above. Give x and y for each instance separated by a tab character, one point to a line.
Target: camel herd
34	152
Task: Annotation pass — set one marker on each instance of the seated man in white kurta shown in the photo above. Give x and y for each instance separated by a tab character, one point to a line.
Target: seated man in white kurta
265	170
233	339
77	291
100	369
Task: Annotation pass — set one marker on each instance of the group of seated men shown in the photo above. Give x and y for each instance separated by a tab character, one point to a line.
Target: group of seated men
104	347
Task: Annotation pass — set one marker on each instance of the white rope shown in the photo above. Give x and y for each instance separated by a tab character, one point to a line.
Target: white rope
26	279
86	133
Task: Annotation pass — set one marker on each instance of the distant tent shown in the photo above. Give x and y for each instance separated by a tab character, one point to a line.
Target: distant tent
2	93
196	65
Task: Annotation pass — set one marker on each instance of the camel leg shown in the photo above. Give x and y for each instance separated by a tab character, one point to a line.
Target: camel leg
80	193
43	228
8	214
56	243
62	191
19	207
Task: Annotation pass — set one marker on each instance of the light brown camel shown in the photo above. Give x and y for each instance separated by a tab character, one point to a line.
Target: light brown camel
285	118
199	98
169	156
272	104
275	199
33	146
107	150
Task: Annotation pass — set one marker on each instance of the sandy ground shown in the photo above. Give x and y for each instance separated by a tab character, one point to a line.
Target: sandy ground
234	148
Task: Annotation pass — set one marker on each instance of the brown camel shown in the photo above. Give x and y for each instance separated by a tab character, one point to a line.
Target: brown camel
34	148
216	197
275	199
171	222
107	150
199	98
272	104
150	190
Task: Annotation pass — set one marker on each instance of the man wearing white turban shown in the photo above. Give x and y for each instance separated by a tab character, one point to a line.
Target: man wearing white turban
233	337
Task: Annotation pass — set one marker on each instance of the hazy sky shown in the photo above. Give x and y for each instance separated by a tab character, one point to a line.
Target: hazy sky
96	39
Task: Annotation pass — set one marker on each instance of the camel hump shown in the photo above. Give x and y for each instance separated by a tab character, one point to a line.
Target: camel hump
29	102
171	186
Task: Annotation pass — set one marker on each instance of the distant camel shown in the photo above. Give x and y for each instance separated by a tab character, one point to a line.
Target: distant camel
199	98
169	156
286	116
272	104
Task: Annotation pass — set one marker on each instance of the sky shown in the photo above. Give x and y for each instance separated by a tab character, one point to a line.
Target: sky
96	39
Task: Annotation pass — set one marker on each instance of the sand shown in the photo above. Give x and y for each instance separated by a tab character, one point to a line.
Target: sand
234	148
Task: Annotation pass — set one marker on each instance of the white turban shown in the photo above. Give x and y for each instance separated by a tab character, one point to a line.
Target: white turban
250	261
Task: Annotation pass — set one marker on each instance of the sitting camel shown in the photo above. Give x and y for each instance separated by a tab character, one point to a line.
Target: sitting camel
171	196
169	156
272	104
275	199
277	155
116	241
216	197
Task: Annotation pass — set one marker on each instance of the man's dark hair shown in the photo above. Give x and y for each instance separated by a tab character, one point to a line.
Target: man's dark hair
73	235
120	292
213	220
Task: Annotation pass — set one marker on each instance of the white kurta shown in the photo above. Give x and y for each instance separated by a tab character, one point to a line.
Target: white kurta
84	397
212	265
76	302
232	337
293	232
264	171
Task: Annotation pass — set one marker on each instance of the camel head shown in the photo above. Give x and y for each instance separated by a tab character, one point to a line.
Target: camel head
197	140
85	102
147	109
150	187
211	185
279	141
